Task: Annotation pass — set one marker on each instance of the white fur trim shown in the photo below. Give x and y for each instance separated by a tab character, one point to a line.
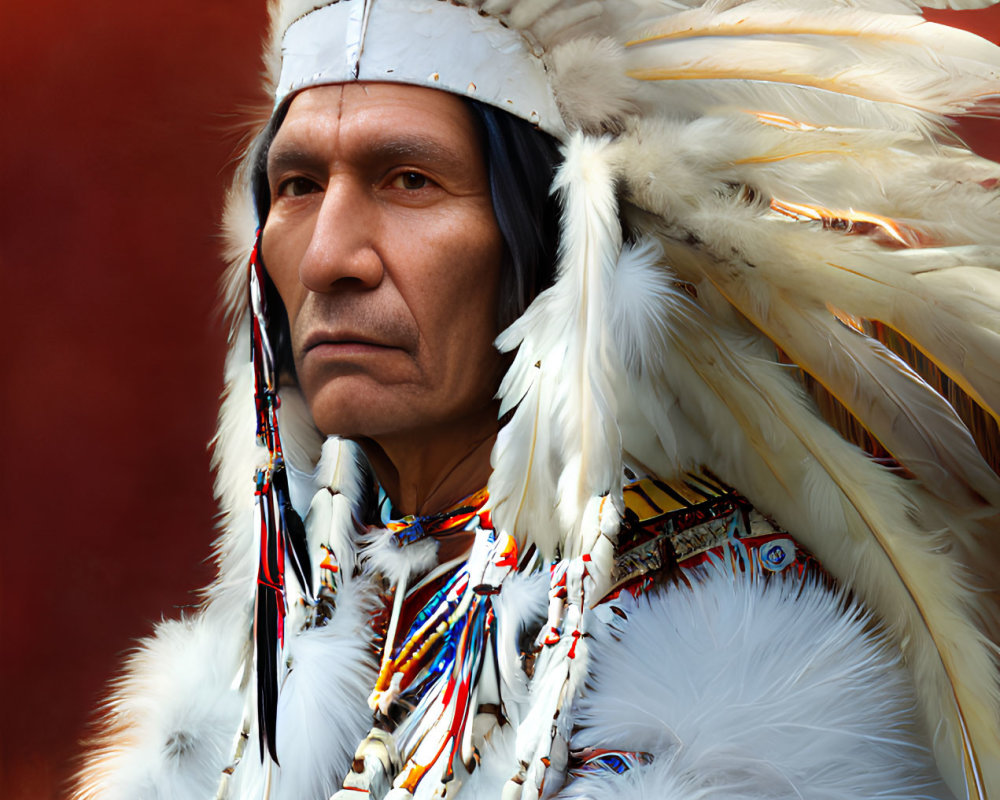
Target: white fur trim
322	713
381	554
170	722
749	689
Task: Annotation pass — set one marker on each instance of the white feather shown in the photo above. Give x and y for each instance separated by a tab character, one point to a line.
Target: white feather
569	368
301	441
848	51
522	485
913	421
520	610
862	523
656	433
236	457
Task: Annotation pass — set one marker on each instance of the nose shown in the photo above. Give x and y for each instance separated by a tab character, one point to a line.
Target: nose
342	250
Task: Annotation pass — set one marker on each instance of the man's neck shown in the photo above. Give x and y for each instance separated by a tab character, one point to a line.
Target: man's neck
432	470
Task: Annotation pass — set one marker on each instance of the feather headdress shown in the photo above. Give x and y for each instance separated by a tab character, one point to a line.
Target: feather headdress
770	238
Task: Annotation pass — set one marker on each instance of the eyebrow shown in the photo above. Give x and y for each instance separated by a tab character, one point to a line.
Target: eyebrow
413	148
284	157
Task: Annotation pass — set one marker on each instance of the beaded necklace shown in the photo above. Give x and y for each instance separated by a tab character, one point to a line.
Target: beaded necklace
428	685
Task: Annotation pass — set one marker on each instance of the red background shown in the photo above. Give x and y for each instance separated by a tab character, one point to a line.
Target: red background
119	122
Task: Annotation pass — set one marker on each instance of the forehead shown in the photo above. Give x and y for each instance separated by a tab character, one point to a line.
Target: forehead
363	113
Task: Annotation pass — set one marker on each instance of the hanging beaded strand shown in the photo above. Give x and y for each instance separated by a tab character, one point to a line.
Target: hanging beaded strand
278	525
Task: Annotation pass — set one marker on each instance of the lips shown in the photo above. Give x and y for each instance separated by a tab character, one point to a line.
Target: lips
337	338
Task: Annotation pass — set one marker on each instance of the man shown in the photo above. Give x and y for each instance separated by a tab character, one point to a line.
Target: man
515	572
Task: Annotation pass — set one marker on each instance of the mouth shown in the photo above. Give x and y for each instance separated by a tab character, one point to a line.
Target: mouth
342	341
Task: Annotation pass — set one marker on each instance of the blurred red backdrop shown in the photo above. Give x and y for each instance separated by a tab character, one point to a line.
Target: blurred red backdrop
120	122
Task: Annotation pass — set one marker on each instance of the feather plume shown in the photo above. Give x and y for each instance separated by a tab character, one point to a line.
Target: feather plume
719	208
522	485
655	430
941	195
565	374
381	553
937	308
322	713
909	418
775	19
848	51
519	607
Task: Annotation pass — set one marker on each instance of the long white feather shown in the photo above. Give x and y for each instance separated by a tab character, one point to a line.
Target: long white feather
848	51
913	421
777	18
564	371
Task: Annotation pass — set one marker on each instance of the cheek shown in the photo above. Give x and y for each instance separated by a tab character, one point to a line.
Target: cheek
278	249
480	276
466	308
467	257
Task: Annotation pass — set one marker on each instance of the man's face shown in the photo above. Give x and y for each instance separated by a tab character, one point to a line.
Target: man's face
383	245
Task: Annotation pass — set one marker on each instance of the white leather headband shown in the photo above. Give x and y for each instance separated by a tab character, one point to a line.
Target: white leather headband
422	42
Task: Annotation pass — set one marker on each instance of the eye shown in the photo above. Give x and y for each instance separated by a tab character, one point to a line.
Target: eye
296	187
410	181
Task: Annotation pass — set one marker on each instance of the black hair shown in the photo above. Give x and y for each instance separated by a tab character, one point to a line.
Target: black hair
521	162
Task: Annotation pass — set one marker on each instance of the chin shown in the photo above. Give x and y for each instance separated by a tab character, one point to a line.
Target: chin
353	413
349	423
